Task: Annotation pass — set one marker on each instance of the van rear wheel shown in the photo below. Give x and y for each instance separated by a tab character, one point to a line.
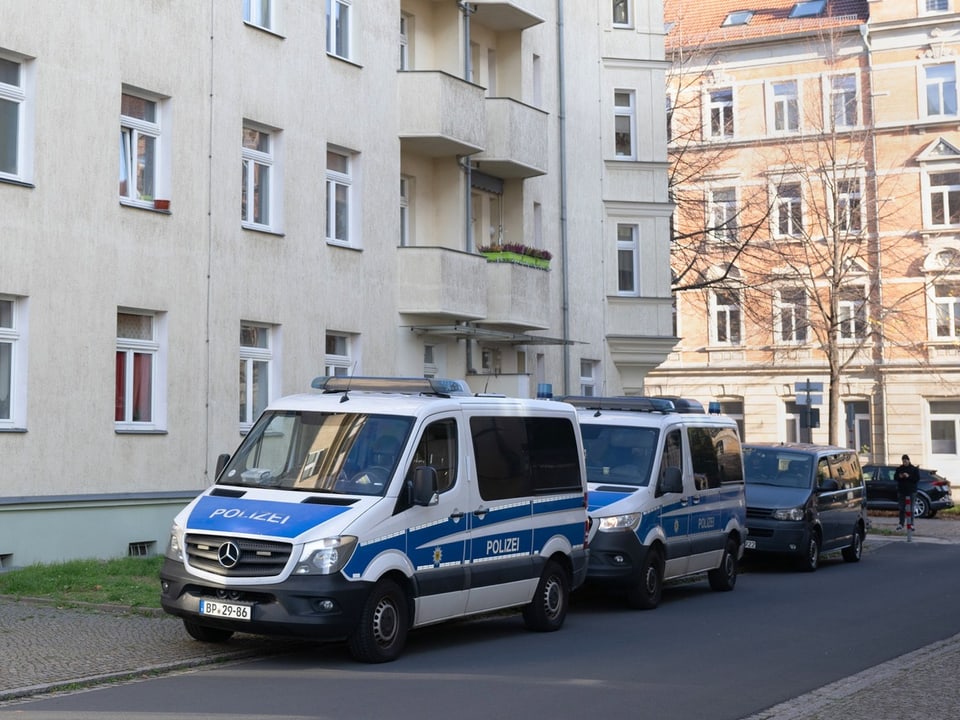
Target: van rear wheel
384	622
854	550
645	595
724	577
548	609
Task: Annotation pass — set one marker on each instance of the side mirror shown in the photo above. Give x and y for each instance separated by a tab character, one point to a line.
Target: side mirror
424	486
222	461
672	481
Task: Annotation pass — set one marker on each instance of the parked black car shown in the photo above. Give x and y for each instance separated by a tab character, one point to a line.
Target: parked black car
933	492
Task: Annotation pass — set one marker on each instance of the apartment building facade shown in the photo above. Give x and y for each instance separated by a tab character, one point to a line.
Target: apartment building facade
814	154
389	151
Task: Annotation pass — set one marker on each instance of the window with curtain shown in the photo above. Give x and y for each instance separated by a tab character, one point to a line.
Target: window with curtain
136	352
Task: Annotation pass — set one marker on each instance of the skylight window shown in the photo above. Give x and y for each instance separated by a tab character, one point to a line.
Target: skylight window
738	17
808	8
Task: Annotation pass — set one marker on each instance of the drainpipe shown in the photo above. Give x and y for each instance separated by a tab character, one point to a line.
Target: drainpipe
565	279
467	9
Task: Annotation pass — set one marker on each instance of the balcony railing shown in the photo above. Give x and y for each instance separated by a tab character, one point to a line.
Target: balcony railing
516	140
440	115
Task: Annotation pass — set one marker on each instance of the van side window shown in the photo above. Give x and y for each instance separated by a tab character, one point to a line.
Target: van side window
438	448
672	453
519	456
715	452
846	470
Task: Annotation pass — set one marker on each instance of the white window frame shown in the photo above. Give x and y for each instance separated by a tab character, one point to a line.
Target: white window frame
625	114
924	7
726	316
14	335
250	357
406	192
156	348
849	205
342	207
784	107
947	414
267	160
843	100
623	7
406	25
131	130
339	358
852	314
793	314
22	96
945	193
722	214
946	306
259	13
724	111
340	15
786	208
628	247
945	89
588	377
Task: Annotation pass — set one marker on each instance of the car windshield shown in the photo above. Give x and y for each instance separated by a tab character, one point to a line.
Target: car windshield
619	455
773	466
319	452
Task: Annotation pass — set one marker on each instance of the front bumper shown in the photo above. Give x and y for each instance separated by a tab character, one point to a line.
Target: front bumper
616	559
786	537
292	607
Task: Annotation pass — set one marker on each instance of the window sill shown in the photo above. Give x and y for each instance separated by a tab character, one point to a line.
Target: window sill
12	430
261	28
262	229
343	246
348	61
15	181
140	205
139	431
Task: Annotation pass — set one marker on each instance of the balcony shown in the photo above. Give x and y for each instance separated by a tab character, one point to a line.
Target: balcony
440	115
501	15
442	283
518	297
516	140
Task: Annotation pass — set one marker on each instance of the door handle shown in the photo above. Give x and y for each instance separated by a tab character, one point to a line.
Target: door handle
456	515
480	512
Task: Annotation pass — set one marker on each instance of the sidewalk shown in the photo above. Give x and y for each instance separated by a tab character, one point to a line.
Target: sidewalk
44	648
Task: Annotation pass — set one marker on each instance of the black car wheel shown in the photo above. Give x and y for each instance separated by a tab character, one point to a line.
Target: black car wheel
810	560
854	550
646	594
921	508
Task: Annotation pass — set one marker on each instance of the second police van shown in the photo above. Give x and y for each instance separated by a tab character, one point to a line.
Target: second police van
379	505
666	494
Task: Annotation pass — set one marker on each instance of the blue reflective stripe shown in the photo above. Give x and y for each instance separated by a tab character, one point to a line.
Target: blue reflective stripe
259	517
601	498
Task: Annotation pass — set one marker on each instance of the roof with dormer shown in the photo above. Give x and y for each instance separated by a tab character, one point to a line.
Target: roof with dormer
718	22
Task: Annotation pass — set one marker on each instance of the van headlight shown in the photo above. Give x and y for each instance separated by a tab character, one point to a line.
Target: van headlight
174	546
325	557
794	513
620	523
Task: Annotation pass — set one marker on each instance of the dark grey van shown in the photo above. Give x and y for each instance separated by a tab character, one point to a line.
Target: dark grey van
802	500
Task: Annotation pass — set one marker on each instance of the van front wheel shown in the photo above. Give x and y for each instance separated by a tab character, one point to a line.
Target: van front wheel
383	627
646	594
548	609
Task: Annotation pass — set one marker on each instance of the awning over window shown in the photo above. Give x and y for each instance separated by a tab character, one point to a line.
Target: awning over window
465	332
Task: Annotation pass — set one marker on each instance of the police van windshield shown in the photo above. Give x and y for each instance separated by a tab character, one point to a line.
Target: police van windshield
320	452
770	466
618	454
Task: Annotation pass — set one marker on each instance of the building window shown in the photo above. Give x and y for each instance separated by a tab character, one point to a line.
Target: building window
669	117
338	357
944	418
256	357
721	113
738	17
786	106
256	201
338	27
940	83
936	6
792	425
733	409
857	415
946	305
945	198
726	318
14	109
339	197
621	13
852	313
12	362
405	25
430	368
843	100
139	370
788	210
142	172
808	8
258	12
722	210
588	380
791	322
627	257
848	207
624	118
405	186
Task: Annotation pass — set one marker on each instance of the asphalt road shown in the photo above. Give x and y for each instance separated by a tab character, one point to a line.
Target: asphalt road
700	655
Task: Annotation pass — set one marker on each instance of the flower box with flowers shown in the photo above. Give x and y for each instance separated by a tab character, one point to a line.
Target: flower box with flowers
517	254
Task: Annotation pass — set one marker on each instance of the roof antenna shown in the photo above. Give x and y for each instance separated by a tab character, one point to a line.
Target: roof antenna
344	398
603	394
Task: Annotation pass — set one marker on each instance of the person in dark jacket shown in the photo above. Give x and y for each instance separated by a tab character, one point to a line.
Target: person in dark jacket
908	477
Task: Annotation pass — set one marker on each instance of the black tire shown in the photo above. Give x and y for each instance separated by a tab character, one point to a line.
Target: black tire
205	633
384	623
548	609
810	560
724	577
921	508
648	591
853	551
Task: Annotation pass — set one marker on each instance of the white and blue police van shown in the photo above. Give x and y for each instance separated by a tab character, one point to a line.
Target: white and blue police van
377	505
666	494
